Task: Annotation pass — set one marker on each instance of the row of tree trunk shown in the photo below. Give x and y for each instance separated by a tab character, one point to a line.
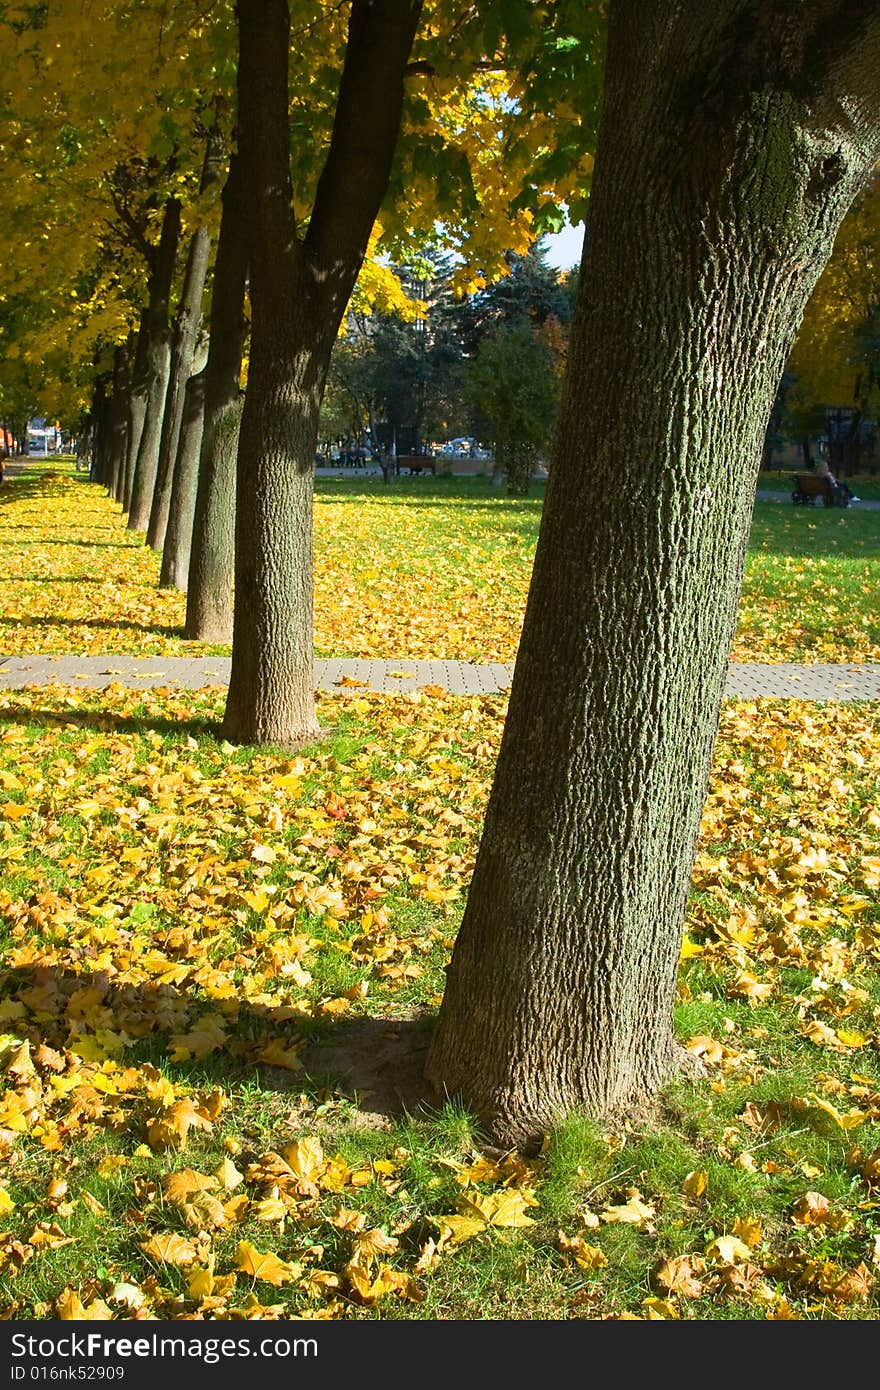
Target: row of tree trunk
733	138
163	429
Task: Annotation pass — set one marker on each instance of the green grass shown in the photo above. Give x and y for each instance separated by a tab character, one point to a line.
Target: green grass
104	899
426	567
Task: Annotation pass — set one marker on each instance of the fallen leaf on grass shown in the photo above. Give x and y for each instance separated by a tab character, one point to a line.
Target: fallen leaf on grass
170	1248
680	1274
179	1187
265	1266
695	1183
585	1255
727	1249
633	1212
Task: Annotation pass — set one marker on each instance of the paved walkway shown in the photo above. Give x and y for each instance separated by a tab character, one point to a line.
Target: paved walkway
864	504
745	679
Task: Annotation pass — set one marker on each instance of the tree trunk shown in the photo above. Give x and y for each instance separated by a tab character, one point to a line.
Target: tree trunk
119	418
732	142
178	537
157	367
299	292
518	467
100	417
209	580
137	410
186	328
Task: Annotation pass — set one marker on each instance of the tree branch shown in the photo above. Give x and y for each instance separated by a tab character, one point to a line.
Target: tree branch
365	129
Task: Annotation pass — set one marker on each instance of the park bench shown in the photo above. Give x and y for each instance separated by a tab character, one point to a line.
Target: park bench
809	486
417	463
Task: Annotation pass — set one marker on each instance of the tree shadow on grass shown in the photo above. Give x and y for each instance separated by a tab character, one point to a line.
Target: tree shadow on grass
58	579
103	625
16	544
374	1064
108	723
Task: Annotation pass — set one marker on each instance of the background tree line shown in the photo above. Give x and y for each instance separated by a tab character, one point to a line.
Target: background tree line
486	366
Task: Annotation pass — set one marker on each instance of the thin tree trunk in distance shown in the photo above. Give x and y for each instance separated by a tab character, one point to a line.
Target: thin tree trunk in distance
119	417
158	362
186	328
100	431
299	292
178	537
209	579
137	410
733	139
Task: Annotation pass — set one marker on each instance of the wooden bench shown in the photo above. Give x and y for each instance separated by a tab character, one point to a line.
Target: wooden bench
417	463
809	486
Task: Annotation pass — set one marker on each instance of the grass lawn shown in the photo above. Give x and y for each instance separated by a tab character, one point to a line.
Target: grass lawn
220	968
424	568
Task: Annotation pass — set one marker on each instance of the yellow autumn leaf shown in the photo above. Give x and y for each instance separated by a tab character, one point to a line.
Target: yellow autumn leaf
633	1212
504	1208
70	1308
727	1249
228	1175
179	1187
265	1265
695	1183
170	1248
748	1229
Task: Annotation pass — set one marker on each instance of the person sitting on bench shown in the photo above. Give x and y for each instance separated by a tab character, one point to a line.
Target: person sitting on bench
840	490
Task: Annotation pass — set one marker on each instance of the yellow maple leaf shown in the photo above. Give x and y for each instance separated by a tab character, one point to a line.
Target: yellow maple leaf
170	1248
748	1229
228	1175
179	1187
305	1158
70	1308
727	1249
504	1208
265	1265
633	1212
695	1183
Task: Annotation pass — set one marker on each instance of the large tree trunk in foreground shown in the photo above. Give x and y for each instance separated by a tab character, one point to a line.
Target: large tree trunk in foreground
733	139
156	368
208	580
299	292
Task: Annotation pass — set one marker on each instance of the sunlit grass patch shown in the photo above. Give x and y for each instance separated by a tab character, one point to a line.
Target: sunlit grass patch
219	972
421	568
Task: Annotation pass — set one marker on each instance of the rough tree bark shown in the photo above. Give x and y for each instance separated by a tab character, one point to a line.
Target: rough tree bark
183	348
119	417
178	537
138	392
210	548
299	292
100	418
156	365
734	137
